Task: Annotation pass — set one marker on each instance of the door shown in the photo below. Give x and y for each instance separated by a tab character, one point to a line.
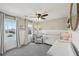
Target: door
9	32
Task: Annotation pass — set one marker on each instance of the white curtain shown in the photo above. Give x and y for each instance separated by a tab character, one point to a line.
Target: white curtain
1	33
22	31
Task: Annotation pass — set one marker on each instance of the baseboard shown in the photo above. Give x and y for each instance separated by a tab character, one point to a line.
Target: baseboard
48	44
25	44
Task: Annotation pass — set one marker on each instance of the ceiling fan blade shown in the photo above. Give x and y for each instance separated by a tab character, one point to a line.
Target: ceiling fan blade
44	15
43	18
38	15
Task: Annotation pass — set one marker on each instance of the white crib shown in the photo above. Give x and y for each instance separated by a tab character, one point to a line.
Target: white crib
50	36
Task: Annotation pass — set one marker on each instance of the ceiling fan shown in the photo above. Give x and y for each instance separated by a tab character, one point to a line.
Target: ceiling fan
38	16
41	16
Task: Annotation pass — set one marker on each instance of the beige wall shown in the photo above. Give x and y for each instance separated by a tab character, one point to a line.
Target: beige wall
54	24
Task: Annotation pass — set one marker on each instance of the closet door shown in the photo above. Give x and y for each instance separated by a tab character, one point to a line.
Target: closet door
9	32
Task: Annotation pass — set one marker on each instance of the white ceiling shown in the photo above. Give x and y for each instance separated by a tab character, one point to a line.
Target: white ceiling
54	10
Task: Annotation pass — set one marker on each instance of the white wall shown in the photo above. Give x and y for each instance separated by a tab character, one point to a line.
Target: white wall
54	24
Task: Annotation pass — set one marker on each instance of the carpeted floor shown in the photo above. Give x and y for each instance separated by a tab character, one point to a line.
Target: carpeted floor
30	50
